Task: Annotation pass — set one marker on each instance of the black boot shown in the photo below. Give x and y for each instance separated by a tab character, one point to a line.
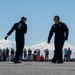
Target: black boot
16	61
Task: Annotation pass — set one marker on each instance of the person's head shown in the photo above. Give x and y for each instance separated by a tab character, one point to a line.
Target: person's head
41	55
56	19
47	49
68	48
65	48
6	48
25	49
23	19
11	49
29	49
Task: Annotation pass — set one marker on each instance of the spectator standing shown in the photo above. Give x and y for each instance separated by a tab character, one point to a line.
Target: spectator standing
35	55
7	54
25	54
69	54
46	54
38	56
12	54
65	54
0	55
41	58
4	55
29	54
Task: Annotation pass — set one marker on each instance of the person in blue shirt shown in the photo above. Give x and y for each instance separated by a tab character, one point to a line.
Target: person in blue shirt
65	54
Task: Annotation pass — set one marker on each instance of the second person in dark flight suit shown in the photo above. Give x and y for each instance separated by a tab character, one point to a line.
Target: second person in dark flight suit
61	34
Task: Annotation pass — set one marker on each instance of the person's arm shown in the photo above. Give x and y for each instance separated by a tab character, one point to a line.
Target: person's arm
71	51
25	29
66	31
50	34
9	33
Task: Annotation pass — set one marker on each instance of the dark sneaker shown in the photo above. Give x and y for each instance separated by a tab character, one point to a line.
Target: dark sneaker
52	61
17	62
60	62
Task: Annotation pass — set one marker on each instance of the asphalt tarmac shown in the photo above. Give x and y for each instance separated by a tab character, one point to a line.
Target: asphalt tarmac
37	68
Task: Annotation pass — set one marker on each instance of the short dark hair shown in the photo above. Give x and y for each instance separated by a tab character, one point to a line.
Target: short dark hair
57	17
23	18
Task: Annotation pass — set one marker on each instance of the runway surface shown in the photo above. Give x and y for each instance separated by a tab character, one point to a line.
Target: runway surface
37	68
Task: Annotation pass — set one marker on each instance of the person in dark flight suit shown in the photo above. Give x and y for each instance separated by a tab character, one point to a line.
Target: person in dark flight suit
20	29
61	35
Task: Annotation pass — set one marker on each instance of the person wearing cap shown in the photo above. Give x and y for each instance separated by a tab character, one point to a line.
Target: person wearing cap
61	35
20	29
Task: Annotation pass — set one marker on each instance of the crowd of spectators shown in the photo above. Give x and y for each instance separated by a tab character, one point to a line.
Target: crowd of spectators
30	55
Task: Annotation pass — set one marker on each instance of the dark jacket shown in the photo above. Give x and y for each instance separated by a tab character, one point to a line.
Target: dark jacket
61	32
20	29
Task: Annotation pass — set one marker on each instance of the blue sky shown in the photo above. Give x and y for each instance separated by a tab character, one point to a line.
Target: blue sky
39	15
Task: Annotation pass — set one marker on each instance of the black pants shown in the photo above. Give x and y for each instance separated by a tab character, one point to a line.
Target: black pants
19	48
58	54
34	57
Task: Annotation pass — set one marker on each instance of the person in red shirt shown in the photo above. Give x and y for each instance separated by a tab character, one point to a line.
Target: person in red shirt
41	58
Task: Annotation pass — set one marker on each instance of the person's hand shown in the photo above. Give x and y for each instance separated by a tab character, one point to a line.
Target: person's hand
66	38
6	37
48	42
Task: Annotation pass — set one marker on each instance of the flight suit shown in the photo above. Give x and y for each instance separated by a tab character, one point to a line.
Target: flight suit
20	29
61	34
